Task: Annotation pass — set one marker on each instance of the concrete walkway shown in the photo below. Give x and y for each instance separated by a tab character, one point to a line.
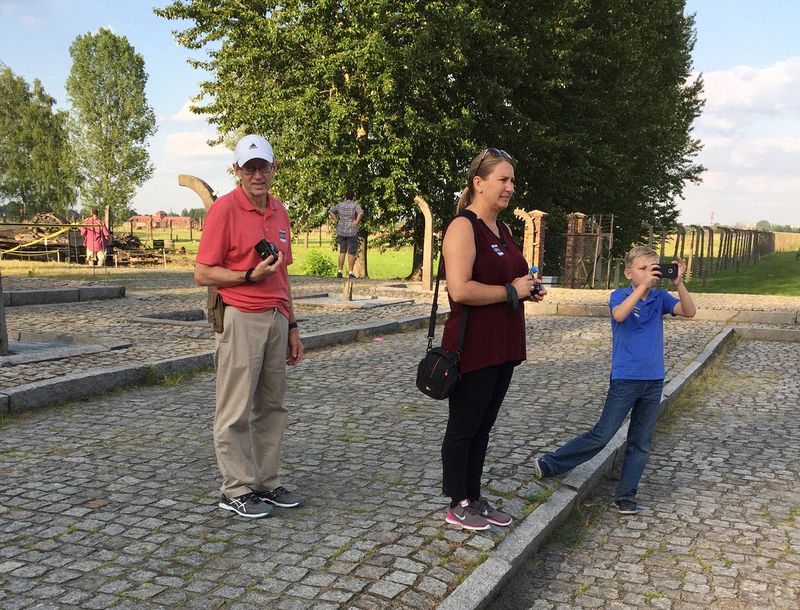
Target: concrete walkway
111	501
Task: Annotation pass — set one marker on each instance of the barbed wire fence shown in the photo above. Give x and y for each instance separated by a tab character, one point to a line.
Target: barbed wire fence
707	249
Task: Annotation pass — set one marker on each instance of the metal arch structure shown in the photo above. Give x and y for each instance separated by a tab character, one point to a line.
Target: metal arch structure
201	187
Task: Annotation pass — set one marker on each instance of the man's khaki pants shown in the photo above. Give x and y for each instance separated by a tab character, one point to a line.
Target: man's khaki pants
95	258
250	418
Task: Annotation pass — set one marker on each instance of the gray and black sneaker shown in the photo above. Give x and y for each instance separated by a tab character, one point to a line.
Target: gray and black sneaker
247	505
467	516
490	513
280	496
540	469
626	507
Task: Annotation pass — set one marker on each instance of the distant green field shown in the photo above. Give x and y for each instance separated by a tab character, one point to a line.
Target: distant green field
777	274
180	237
387	265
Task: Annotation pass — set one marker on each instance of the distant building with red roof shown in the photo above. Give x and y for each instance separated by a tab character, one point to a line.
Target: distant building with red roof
160	220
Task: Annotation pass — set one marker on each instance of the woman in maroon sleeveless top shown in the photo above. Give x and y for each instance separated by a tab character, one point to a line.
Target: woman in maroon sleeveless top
487	273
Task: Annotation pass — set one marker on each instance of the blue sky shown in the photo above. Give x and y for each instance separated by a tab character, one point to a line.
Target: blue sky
747	51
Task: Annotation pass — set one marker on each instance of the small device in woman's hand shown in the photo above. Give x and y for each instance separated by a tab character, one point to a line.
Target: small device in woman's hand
536	288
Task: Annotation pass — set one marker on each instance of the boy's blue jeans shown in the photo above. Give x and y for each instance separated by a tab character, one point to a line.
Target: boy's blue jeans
643	400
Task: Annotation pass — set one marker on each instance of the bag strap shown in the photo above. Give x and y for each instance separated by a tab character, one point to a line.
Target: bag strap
462	326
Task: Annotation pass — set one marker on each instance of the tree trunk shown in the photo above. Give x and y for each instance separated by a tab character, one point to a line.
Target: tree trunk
416	259
361	269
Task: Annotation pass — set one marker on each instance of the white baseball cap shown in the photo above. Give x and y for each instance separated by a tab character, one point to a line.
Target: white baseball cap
253	146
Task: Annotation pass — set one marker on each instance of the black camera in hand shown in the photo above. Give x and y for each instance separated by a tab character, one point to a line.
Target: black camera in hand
669	271
536	289
266	249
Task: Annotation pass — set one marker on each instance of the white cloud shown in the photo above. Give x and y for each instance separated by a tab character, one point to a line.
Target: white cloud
773	156
715	180
737	97
184	115
759	185
750	130
195	144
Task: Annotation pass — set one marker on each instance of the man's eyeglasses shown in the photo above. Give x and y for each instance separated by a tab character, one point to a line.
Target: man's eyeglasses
496	153
264	169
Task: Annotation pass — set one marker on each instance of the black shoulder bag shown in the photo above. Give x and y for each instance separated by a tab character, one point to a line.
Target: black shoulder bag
437	372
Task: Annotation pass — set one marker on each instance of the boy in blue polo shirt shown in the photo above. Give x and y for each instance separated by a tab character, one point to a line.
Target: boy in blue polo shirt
637	374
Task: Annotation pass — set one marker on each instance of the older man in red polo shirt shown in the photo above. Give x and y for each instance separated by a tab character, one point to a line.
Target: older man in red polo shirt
259	335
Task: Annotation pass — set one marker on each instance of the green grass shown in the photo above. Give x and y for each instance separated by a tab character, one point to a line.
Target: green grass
386	265
775	274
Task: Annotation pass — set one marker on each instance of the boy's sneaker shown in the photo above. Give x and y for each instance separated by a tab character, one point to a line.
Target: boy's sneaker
467	517
491	514
540	469
626	507
352	276
280	496
247	505
338	274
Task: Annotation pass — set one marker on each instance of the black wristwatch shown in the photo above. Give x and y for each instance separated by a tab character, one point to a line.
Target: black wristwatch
247	278
292	325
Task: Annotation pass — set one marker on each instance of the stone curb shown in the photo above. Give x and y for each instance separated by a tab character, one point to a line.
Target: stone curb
54	353
48	296
769	334
76	386
584	310
481	586
32	396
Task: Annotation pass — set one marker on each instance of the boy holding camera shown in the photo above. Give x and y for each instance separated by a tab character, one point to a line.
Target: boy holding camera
637	373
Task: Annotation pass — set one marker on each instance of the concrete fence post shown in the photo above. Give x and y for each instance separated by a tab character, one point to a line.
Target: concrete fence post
427	247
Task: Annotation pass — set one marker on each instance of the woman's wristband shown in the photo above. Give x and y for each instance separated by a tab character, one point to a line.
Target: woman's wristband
511	296
292	325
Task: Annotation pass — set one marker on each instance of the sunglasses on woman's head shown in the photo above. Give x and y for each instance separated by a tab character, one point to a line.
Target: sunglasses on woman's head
497	153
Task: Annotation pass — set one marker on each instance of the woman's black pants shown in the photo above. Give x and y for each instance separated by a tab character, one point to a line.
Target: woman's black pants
473	410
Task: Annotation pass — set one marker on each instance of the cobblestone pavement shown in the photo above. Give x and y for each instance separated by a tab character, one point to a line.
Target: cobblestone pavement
111	501
157	291
722	527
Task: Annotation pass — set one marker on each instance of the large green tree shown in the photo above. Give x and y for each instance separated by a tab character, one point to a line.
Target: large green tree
394	97
600	109
111	120
354	95
627	113
37	169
